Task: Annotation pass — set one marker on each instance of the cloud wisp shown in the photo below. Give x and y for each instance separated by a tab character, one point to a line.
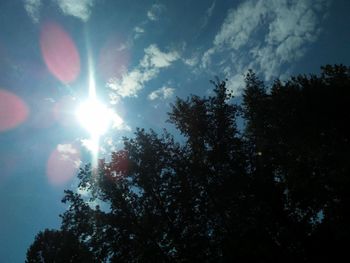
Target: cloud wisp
207	16
265	35
80	9
149	67
161	93
63	164
155	11
32	7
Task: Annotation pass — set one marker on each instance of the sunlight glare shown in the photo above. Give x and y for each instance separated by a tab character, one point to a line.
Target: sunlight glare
94	116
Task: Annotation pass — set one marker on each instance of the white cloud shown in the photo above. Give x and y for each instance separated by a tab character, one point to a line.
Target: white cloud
211	9
69	153
77	8
89	144
139	30
155	11
235	84
161	93
240	23
131	83
119	124
192	61
52	100
149	67
158	59
33	7
206	58
80	9
266	35
66	148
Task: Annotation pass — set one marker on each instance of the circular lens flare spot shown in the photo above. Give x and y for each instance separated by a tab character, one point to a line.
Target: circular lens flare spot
59	52
94	116
13	111
63	164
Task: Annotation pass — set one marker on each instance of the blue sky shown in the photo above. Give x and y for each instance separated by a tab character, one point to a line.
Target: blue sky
142	54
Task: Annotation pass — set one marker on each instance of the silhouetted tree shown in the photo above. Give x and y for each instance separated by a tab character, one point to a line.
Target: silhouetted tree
299	128
276	190
57	246
167	201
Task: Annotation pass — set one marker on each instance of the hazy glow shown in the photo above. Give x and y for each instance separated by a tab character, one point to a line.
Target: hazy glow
63	164
94	116
59	52
13	110
113	59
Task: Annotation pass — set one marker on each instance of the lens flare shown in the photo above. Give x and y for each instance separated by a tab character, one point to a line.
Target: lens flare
63	164
59	52
94	116
63	110
13	111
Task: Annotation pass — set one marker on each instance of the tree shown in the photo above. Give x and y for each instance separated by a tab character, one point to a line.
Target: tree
274	190
57	246
170	202
299	128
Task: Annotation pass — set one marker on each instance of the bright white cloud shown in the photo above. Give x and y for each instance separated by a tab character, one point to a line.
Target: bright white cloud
266	35
155	11
162	93
206	58
33	7
149	67
69	153
131	83
235	84
240	24
66	148
119	124
158	59
89	144
80	9
77	8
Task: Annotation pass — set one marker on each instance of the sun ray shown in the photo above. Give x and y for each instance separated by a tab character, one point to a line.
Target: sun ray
92	114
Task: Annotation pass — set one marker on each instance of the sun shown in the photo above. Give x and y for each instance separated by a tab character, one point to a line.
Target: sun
94	116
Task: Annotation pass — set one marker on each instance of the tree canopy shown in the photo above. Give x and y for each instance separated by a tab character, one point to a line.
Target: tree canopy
276	189
58	246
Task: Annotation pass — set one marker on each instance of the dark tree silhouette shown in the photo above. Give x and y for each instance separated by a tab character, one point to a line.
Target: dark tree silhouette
277	190
57	246
300	130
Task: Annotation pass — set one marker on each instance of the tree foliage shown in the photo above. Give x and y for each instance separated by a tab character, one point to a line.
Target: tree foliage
58	246
275	190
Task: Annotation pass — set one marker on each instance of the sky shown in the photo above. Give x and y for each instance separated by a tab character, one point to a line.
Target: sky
138	56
